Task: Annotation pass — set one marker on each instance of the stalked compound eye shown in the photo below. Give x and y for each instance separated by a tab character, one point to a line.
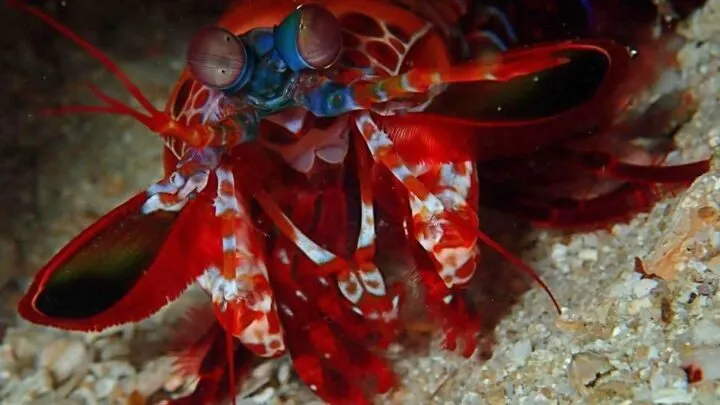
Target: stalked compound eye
309	38
218	59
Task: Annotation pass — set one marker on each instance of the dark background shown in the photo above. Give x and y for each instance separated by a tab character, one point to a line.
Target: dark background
39	69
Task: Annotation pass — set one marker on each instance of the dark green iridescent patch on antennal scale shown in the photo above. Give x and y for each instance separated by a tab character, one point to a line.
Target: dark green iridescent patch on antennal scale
106	268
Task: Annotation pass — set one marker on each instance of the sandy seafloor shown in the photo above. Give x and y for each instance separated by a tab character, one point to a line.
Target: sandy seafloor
623	338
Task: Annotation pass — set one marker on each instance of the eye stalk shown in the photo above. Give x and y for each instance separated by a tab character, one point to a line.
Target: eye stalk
309	38
218	59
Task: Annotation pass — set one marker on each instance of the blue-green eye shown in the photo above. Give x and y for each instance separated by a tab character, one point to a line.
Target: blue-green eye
309	38
218	59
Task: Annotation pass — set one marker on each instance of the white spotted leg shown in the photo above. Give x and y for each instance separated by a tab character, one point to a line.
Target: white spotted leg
431	228
447	230
435	220
238	282
190	177
452	247
242	297
359	279
324	338
236	276
364	285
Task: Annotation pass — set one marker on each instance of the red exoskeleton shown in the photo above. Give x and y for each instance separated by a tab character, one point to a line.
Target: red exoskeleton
307	138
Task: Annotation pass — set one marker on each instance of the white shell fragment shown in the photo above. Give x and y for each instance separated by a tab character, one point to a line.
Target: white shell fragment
586	368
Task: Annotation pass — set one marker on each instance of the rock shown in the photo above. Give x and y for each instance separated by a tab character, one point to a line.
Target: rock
54	401
113	368
471	398
154	375
706	332
585	368
644	287
114	349
23	348
63	358
519	353
672	396
688	229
